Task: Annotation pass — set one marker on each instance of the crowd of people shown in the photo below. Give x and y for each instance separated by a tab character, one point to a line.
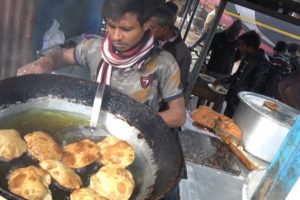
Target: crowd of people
144	56
258	72
271	75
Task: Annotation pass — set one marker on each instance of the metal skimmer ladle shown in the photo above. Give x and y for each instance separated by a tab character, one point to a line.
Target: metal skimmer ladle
92	132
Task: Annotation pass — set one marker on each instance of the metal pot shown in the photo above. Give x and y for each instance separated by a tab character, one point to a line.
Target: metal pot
159	162
263	129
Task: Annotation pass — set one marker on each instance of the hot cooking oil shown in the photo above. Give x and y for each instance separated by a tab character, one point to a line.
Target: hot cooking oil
49	121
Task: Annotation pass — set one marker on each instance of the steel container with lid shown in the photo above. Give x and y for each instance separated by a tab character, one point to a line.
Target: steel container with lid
263	129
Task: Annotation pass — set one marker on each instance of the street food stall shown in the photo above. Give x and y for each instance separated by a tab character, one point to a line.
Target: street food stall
219	152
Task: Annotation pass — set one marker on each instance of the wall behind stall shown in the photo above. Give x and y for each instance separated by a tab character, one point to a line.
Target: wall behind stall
16	25
24	22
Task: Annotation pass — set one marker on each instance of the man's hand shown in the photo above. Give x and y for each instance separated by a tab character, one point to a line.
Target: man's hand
175	115
44	65
218	82
54	59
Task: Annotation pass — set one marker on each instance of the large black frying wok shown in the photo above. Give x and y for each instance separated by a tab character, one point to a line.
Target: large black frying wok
158	164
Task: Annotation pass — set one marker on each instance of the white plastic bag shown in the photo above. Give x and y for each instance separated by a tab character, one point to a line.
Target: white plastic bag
53	36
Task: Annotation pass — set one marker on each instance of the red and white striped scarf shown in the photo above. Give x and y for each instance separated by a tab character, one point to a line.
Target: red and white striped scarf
133	58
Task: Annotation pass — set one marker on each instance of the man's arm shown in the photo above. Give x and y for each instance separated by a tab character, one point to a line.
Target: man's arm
175	115
55	59
225	81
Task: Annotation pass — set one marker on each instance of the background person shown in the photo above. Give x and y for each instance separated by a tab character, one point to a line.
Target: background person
169	39
280	67
293	55
224	51
223	54
251	74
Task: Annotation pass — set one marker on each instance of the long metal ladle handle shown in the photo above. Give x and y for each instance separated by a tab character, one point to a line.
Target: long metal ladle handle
97	105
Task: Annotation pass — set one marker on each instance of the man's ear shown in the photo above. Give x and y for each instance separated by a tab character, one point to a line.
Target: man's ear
147	25
165	29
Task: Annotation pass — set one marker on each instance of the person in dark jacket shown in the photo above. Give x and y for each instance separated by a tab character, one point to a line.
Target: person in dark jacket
224	51
280	68
292	56
169	39
251	74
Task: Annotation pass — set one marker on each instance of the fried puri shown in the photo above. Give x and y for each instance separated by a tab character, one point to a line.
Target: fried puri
86	194
108	141
42	147
30	183
62	174
11	145
120	154
80	154
116	152
113	183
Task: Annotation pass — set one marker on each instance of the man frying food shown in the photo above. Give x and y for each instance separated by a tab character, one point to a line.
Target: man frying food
126	59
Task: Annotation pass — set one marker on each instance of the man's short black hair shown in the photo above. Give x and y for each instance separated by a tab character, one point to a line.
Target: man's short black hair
234	30
172	6
250	39
164	15
281	46
115	9
293	48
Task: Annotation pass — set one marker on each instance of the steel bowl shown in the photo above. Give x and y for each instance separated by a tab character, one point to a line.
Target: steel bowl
263	129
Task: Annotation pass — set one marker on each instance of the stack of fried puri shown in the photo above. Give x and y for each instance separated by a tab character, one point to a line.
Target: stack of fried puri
111	182
35	185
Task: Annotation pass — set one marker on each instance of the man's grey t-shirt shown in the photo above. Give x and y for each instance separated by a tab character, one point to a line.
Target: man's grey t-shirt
158	79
